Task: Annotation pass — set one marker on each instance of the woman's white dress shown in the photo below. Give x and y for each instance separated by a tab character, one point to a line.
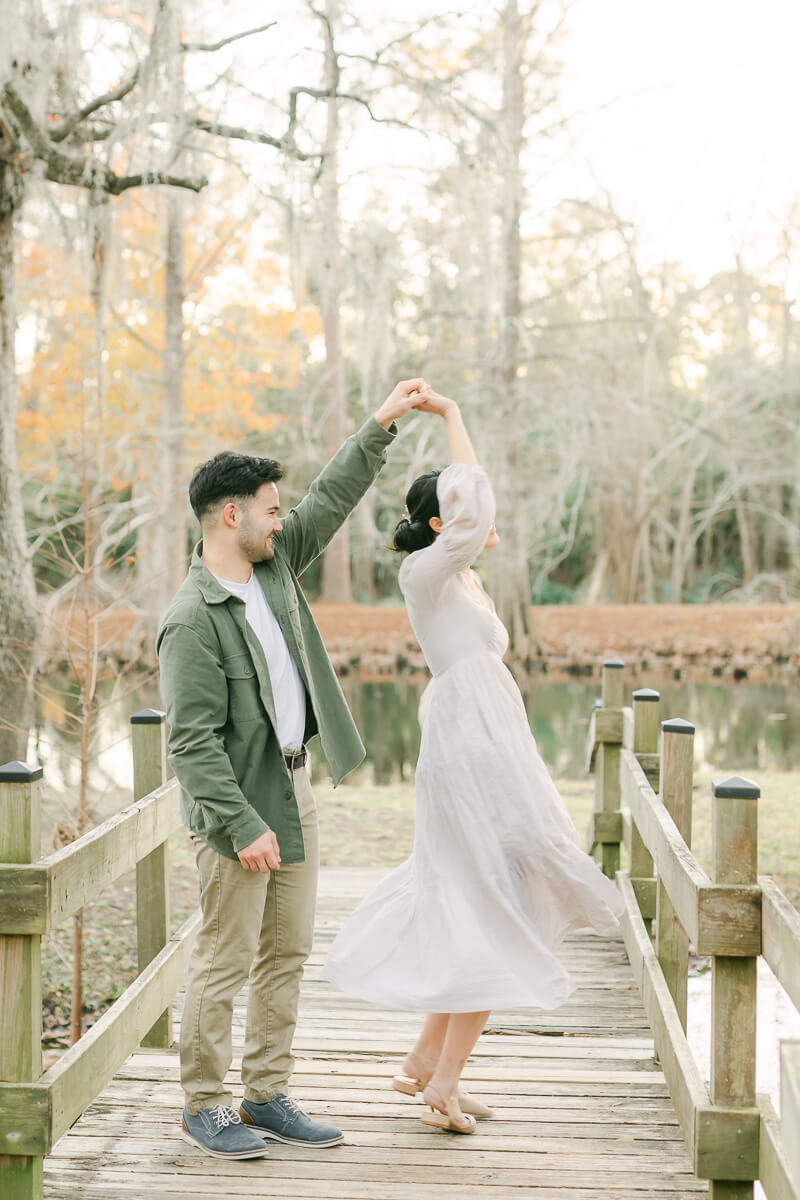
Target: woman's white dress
472	920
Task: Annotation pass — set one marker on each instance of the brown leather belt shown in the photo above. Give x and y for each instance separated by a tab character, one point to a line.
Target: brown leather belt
296	759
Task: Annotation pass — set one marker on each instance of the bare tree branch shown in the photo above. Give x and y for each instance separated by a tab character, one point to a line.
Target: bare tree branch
210	47
84	172
65	127
250	135
329	93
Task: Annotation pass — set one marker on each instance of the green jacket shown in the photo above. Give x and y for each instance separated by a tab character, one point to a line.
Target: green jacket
214	679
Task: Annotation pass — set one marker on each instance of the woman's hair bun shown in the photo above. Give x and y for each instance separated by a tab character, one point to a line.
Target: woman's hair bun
414	532
412	535
403	535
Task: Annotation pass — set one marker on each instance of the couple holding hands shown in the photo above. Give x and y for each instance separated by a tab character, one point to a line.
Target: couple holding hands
496	879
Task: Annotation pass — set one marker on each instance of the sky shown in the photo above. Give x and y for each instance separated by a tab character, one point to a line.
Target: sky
687	115
700	143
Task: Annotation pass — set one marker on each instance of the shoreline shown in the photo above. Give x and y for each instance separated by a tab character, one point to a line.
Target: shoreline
732	642
728	641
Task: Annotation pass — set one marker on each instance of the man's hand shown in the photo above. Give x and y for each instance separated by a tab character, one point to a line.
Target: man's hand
400	402
431	402
261	855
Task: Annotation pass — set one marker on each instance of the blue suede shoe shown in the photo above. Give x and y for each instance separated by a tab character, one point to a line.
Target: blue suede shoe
281	1119
219	1132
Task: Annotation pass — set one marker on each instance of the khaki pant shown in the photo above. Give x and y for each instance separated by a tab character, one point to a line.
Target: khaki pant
256	925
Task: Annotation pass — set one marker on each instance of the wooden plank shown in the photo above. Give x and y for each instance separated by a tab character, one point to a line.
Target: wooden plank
201	1174
672	941
80	871
734	849
790	1108
781	937
645	890
608	726
605	827
79	1075
149	750
605	725
375	1120
686	1087
606	800
499	1153
270	1183
773	1165
24	898
20	986
591	743
718	918
726	1143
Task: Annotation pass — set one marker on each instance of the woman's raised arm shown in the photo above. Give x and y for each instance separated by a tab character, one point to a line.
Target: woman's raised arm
466	507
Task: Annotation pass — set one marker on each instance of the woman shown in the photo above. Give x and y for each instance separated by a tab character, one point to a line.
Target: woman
471	921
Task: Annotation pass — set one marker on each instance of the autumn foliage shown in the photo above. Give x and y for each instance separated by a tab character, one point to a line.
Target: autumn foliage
243	343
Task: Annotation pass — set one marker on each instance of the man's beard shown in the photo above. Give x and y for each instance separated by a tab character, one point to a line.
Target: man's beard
254	549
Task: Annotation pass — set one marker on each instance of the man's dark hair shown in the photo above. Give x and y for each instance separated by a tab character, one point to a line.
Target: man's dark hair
229	476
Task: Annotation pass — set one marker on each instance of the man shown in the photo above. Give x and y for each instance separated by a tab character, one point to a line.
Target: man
246	683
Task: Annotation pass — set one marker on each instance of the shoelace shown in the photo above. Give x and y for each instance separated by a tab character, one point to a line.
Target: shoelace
289	1103
225	1116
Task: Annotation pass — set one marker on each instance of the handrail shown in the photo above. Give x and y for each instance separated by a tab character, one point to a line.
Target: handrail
36	1108
36	897
704	908
733	915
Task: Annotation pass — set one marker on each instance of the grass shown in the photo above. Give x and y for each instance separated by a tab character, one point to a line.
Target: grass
361	825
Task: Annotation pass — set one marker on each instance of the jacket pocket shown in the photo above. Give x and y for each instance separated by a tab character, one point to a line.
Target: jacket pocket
243	701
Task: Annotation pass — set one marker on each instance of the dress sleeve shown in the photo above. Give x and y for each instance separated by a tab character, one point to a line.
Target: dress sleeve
467	509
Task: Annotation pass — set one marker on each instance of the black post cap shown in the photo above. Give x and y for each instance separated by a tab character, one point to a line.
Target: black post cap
735	788
677	725
19	772
148	716
614	663
646	694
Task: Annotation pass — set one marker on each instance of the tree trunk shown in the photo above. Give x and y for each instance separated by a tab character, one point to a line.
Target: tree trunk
513	585
168	552
745	541
19	617
169	541
682	547
336	583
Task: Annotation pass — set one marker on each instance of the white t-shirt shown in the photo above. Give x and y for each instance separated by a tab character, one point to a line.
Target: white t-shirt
287	686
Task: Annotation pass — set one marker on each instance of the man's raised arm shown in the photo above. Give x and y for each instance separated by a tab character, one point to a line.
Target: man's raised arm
309	527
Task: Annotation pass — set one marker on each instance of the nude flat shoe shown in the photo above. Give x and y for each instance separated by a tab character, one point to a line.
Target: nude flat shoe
409	1085
446	1114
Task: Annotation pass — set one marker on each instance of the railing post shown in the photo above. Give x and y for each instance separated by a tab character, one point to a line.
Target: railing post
607	789
677	769
149	747
20	971
646	709
734	853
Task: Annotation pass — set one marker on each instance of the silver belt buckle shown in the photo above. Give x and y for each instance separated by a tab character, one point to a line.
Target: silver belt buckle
295	758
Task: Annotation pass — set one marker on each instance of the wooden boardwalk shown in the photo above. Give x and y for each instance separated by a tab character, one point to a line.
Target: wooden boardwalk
582	1110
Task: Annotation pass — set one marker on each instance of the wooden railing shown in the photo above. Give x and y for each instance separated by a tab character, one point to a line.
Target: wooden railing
643	801
36	894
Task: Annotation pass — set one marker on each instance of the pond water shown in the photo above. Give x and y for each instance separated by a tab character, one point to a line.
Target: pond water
742	726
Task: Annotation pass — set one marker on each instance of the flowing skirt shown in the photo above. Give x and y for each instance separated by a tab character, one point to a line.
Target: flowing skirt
497	878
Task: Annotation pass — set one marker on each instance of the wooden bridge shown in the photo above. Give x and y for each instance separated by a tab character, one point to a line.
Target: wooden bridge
589	1103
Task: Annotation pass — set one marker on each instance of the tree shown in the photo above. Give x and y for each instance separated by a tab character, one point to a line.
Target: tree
46	130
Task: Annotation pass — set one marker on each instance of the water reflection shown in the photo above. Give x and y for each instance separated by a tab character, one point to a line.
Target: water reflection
744	725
